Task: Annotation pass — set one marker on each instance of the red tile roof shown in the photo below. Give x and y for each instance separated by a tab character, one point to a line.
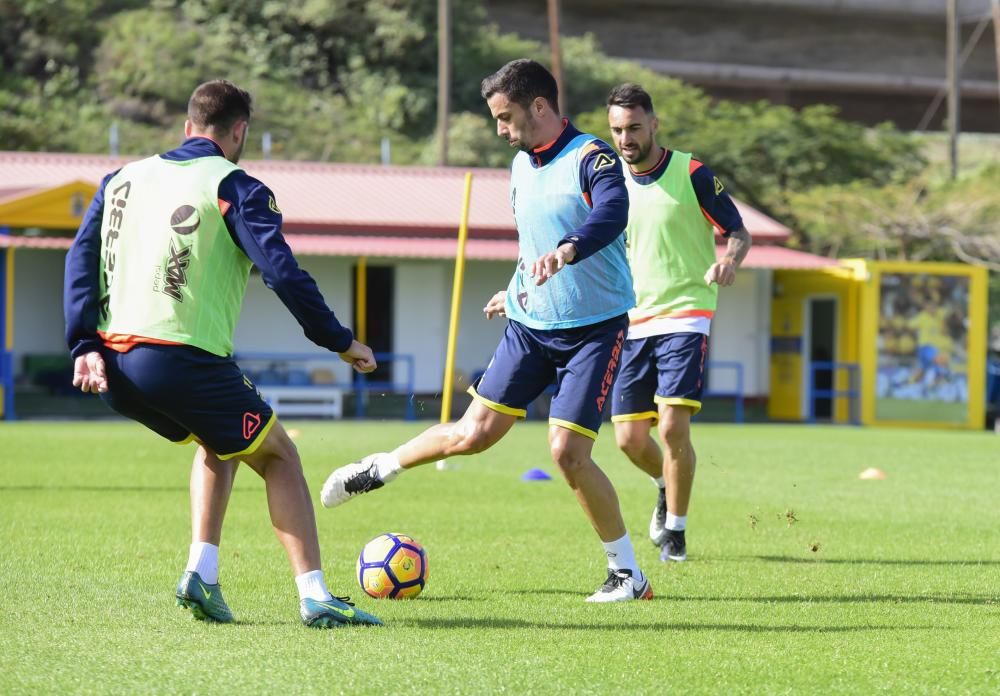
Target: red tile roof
349	198
439	248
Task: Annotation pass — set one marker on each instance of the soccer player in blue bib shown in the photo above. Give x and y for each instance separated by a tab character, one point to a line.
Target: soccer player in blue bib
567	308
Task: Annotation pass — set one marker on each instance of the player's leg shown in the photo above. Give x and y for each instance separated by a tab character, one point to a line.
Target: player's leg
211	485
516	375
571	451
679	462
634	414
477	430
135	385
588	363
276	460
681	366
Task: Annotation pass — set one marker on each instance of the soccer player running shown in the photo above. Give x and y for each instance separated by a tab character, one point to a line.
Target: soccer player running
675	205
154	284
567	305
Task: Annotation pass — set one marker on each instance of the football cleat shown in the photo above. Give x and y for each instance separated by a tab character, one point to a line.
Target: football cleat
334	613
205	601
657	530
674	547
622	587
351	480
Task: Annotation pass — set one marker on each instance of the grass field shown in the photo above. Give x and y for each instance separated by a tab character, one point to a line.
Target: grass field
801	578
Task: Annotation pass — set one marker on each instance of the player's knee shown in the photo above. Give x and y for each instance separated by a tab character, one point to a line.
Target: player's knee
277	449
675	427
569	457
631	441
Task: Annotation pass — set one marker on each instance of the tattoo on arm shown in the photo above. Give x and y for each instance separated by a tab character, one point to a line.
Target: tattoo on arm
738	245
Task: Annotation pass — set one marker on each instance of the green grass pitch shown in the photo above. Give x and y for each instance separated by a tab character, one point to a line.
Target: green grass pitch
801	578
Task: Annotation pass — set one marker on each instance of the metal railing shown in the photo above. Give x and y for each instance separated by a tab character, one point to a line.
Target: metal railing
852	393
361	384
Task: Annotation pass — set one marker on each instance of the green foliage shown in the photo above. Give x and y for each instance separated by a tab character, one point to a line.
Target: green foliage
332	78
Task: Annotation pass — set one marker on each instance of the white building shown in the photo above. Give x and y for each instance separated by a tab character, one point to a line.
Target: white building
399	222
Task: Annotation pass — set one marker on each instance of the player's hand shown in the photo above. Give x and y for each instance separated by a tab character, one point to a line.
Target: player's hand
721	272
495	307
547	265
88	373
360	357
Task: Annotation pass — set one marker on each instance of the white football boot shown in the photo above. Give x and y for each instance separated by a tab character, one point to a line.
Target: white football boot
352	480
622	587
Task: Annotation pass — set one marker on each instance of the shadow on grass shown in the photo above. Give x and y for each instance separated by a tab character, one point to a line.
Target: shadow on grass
103	489
490	622
853	599
870	561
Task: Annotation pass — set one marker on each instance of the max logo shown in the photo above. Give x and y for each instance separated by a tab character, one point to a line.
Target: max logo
175	273
251	424
609	374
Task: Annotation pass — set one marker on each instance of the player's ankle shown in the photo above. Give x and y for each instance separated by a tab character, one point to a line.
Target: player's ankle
388	466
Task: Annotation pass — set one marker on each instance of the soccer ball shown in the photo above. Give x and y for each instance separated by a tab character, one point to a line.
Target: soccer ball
393	566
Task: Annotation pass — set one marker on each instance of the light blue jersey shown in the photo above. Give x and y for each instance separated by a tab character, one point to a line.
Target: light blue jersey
549	204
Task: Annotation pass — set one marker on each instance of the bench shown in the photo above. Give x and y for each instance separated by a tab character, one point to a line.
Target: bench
323	401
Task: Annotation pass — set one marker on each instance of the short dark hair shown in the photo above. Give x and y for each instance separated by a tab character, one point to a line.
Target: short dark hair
522	81
630	95
218	105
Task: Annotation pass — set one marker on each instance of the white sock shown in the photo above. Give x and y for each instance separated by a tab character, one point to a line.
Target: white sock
676	523
621	556
388	466
203	558
660	483
312	586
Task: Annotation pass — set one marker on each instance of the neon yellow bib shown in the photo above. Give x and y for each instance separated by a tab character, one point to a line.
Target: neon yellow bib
670	246
169	269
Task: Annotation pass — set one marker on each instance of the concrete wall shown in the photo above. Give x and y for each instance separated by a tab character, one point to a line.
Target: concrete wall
741	332
38	314
422	305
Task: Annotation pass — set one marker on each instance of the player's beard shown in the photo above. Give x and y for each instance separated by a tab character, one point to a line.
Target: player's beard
641	153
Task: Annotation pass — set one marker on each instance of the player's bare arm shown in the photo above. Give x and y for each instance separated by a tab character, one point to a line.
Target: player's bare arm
547	265
495	307
723	271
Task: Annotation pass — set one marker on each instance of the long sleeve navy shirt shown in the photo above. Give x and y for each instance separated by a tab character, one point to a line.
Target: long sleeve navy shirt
603	185
253	219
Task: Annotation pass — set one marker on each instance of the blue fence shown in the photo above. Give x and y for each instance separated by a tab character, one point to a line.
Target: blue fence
286	370
364	386
852	392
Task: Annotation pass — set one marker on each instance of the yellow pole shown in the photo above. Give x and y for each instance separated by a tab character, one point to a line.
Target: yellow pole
361	300
9	314
456	300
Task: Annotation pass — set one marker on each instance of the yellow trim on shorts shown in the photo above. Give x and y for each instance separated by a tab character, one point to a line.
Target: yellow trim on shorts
678	401
494	406
256	441
645	415
592	434
190	438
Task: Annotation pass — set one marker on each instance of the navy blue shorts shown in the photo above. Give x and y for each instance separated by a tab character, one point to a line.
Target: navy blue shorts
184	393
667	369
582	362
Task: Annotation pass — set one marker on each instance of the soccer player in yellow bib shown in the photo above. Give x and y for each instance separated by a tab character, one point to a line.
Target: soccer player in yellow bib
675	206
154	285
